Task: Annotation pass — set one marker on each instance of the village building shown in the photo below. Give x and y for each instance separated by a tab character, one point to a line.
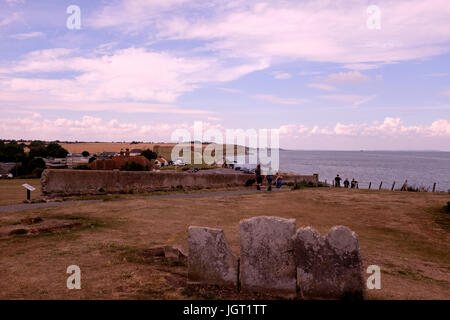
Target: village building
106	155
161	162
135	152
75	159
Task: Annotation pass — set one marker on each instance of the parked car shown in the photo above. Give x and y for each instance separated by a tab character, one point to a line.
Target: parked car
180	162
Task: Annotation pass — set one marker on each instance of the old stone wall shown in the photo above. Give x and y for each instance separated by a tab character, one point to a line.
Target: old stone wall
82	182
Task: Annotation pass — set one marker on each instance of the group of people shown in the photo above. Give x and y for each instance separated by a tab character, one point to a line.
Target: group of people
269	178
353	184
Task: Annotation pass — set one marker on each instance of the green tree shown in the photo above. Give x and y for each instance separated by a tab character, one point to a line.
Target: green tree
2	148
37	149
133	166
149	154
85	154
54	150
35	163
13	152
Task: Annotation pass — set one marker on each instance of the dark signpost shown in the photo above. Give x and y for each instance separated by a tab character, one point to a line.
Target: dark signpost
29	189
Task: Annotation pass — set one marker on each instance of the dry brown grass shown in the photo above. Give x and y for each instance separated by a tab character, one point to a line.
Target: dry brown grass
404	233
12	192
93	147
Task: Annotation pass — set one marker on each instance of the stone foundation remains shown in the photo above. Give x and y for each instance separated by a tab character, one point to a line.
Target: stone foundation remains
279	261
267	255
210	259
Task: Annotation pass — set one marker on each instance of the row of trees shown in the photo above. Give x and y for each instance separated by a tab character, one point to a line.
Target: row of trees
15	152
31	162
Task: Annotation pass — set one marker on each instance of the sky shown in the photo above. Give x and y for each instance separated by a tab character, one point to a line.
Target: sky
327	74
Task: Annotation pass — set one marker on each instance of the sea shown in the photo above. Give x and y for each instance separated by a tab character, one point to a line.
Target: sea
421	169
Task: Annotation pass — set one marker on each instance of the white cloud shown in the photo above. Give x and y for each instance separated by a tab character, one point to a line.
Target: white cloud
390	134
331	31
347	77
133	74
393	127
354	99
322	86
232	90
29	35
282	75
132	15
89	129
9	19
361	66
278	100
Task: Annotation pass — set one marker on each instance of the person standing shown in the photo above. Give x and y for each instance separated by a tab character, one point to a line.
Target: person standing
353	185
337	181
258	177
346	183
279	181
404	186
269	178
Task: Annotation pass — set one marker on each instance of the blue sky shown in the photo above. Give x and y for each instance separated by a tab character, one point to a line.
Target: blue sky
314	70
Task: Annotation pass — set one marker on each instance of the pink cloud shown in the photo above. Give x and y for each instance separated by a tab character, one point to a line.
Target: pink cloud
347	77
354	99
133	74
278	100
322	86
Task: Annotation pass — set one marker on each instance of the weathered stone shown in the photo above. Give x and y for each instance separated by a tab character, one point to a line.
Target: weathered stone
174	253
65	182
210	260
329	266
267	255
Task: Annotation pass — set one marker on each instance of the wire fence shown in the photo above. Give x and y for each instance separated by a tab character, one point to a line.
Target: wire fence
384	185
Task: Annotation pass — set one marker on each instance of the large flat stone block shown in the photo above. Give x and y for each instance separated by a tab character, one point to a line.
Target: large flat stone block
267	255
329	266
210	260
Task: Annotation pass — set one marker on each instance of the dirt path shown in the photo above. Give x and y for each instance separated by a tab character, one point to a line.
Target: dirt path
30	206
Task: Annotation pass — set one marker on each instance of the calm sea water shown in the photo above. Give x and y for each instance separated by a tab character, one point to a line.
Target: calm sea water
419	168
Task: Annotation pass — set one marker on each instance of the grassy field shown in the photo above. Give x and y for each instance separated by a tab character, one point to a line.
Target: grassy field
12	192
93	147
406	234
164	150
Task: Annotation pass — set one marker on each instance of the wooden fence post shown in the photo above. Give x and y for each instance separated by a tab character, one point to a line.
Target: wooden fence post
381	183
434	186
393	185
370	184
